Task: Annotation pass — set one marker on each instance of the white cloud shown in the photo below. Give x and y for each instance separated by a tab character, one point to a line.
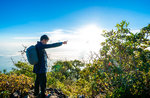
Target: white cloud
135	31
80	42
12	47
26	38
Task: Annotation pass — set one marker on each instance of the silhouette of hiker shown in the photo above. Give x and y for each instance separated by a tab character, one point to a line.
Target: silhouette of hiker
41	67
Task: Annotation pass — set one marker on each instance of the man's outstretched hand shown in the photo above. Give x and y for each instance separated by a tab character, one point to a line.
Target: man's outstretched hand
65	42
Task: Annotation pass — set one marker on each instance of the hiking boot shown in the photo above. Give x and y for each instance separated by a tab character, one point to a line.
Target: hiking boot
36	95
43	96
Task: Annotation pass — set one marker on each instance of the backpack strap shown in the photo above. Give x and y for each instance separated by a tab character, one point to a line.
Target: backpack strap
38	57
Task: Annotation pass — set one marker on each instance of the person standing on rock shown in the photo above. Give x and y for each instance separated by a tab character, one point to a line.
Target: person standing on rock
41	67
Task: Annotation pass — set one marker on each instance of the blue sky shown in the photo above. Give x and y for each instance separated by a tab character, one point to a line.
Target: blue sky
67	13
24	21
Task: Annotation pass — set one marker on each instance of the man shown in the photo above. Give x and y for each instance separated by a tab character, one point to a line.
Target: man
41	67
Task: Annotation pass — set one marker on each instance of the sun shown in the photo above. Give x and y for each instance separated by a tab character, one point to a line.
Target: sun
90	35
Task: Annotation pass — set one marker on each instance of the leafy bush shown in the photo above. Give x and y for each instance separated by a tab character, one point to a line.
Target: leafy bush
11	83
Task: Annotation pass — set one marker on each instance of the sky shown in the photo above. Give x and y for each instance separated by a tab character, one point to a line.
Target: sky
81	22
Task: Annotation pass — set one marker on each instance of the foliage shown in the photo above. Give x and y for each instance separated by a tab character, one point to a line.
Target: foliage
125	64
23	68
12	83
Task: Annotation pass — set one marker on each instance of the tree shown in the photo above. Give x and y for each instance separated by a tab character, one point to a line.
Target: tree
68	69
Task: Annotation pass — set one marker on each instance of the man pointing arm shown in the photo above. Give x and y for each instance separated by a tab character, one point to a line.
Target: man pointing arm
41	67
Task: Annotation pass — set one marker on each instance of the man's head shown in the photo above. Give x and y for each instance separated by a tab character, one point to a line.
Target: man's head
44	39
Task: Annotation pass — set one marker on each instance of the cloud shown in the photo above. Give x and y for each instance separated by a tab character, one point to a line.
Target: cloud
25	38
135	31
80	42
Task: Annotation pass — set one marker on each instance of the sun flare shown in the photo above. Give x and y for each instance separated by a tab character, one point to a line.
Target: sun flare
81	41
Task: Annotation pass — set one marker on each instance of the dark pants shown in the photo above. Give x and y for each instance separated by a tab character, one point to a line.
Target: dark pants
40	81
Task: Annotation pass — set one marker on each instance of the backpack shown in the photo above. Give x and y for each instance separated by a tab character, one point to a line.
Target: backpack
32	55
